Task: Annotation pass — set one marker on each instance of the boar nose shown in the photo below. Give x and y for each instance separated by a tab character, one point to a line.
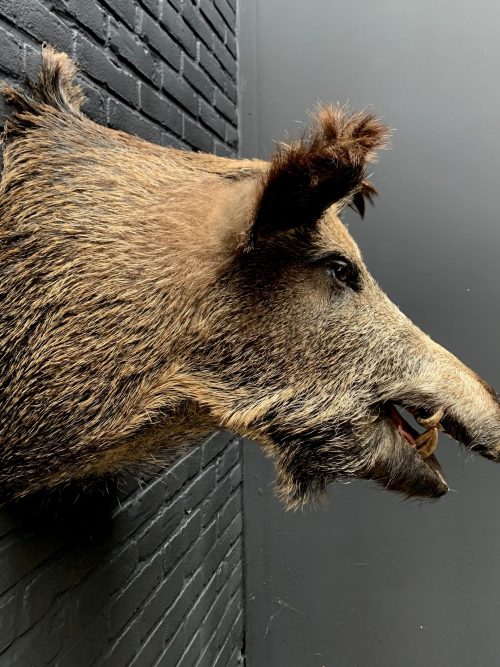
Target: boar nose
471	407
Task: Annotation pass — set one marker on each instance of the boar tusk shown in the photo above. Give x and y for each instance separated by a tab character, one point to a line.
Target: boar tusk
427	442
433	421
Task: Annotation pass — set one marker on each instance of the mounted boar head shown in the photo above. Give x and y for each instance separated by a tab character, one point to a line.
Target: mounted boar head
150	295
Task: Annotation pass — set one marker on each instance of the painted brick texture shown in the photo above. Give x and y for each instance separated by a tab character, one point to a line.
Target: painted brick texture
142	574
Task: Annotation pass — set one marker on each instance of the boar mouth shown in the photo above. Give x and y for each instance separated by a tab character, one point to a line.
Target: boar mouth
404	460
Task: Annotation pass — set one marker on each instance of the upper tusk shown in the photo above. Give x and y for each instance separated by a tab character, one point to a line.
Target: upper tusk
433	421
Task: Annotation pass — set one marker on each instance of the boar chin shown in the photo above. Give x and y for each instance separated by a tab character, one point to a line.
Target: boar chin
397	465
375	450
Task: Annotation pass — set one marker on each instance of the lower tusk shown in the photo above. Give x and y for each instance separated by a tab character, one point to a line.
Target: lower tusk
433	421
427	442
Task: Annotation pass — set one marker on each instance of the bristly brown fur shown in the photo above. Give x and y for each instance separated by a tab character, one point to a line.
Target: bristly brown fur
132	323
55	90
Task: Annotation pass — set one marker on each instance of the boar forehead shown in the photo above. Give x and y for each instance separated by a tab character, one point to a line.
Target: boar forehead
332	235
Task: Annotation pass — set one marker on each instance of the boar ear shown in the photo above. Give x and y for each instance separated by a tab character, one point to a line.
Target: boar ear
324	167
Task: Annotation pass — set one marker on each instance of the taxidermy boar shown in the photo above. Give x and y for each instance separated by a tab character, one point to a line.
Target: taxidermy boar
151	295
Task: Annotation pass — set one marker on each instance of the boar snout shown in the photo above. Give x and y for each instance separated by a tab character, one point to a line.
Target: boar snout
471	407
444	395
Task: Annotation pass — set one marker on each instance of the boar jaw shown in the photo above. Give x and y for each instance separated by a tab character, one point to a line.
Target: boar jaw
400	464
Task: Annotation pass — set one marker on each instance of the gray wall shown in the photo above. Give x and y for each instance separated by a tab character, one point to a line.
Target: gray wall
372	580
145	574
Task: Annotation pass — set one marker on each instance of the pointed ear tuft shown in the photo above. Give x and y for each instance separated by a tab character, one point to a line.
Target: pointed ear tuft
366	193
324	167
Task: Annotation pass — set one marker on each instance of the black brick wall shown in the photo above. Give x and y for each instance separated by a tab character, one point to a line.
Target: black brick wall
151	573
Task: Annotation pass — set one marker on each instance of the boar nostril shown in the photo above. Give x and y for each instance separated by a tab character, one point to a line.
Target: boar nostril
490	453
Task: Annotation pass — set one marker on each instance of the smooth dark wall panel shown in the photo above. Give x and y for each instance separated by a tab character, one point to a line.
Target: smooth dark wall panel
372	580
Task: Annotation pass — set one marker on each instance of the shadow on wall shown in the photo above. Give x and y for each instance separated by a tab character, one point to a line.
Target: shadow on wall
75	512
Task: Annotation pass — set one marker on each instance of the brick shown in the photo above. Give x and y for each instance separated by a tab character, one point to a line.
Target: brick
198	24
214	445
47	584
235	477
161	599
32	59
181	542
211	639
225	58
191	653
188	466
96	104
90	14
228	512
180	91
173	142
200	608
231	565
129	516
231	136
38	21
108	580
222	546
160	109
176	613
125	9
98	66
40	646
200	488
123	84
217	623
197	137
20	554
198	79
200	548
127	45
173	651
156	38
173	481
154	7
232	45
226	651
225	107
90	645
212	66
207	8
134	594
231	91
229	459
124	649
173	23
161	527
227	12
10	53
214	502
10	604
223	150
149	650
211	119
122	117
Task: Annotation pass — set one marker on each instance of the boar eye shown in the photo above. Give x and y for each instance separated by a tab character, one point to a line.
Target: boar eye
344	272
